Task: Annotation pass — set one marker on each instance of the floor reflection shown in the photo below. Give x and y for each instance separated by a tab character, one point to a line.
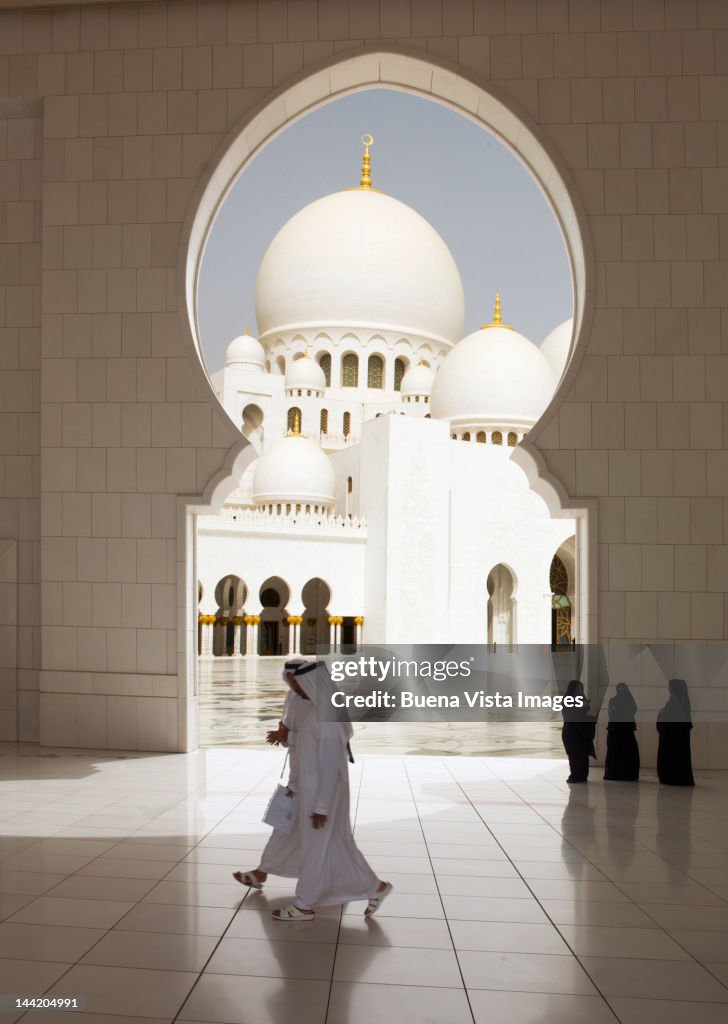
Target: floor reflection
240	699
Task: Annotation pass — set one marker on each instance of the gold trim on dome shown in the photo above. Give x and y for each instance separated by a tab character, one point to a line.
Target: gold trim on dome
497	320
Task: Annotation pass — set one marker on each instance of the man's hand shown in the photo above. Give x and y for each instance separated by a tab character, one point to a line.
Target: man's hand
318	820
273	737
289	791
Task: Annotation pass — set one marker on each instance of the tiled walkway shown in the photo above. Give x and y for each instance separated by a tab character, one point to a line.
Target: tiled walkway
518	899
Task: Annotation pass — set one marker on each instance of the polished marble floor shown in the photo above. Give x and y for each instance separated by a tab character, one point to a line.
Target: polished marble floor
517	898
240	699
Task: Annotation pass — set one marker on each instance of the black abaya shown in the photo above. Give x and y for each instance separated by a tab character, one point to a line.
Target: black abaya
674	763
578	738
622	761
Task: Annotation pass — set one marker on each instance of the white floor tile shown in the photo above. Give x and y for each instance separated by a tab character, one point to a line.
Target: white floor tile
538	1008
524	972
127	991
654	979
397	965
152	950
356	1003
227	999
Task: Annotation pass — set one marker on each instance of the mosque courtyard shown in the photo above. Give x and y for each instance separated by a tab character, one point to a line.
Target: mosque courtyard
240	700
517	898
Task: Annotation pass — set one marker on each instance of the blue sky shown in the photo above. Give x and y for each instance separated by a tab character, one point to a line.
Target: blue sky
475	193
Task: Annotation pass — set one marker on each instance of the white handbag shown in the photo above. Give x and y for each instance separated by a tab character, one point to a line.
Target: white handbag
282	807
281	810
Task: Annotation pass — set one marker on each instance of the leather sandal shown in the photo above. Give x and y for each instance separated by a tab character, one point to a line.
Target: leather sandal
247	878
292	913
377	899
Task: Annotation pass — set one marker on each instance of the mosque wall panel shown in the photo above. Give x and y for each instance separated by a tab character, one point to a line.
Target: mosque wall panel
111	115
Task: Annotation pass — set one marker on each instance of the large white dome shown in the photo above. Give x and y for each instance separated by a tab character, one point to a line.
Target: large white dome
494	377
305	374
294	471
245	352
357	259
556	347
417	381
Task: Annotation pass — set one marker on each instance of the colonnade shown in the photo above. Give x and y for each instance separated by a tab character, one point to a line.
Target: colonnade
251	623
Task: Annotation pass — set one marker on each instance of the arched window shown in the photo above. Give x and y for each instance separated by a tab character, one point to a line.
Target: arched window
350	371
347	424
349	485
399	371
375	372
324	424
512	439
325	364
294	419
496	437
466	435
480	437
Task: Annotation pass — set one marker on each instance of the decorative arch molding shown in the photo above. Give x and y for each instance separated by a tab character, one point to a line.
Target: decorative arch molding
477	99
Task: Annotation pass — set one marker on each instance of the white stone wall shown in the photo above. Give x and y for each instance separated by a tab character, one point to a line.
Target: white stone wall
404	468
296	556
630	97
496	519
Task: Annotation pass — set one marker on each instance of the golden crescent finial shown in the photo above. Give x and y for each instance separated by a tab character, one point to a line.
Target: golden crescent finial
366	163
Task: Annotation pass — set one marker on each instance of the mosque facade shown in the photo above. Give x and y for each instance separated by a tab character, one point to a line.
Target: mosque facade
383	505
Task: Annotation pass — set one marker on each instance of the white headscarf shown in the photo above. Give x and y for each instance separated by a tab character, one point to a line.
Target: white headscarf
314	679
290	666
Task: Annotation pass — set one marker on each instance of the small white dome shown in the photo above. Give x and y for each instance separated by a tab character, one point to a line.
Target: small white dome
305	374
417	380
295	471
494	377
360	259
245	352
556	346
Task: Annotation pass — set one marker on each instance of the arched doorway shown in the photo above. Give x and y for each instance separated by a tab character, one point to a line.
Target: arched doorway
252	425
273	631
561	584
501	606
316	596
230	595
411	72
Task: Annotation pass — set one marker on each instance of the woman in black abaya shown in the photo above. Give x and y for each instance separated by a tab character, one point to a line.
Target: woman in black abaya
578	733
622	763
674	722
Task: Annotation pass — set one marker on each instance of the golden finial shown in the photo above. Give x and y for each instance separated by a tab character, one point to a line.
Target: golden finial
246	332
497	320
296	432
366	163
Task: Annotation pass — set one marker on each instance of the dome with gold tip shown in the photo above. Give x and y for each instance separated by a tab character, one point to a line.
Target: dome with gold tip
360	260
493	377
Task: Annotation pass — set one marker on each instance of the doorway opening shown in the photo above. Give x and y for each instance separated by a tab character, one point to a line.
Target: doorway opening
338	506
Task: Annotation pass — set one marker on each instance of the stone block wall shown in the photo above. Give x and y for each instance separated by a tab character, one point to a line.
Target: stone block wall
110	118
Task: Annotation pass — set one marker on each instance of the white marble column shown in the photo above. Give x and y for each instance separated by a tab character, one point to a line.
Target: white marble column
359	624
251	623
237	635
206	628
294	634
